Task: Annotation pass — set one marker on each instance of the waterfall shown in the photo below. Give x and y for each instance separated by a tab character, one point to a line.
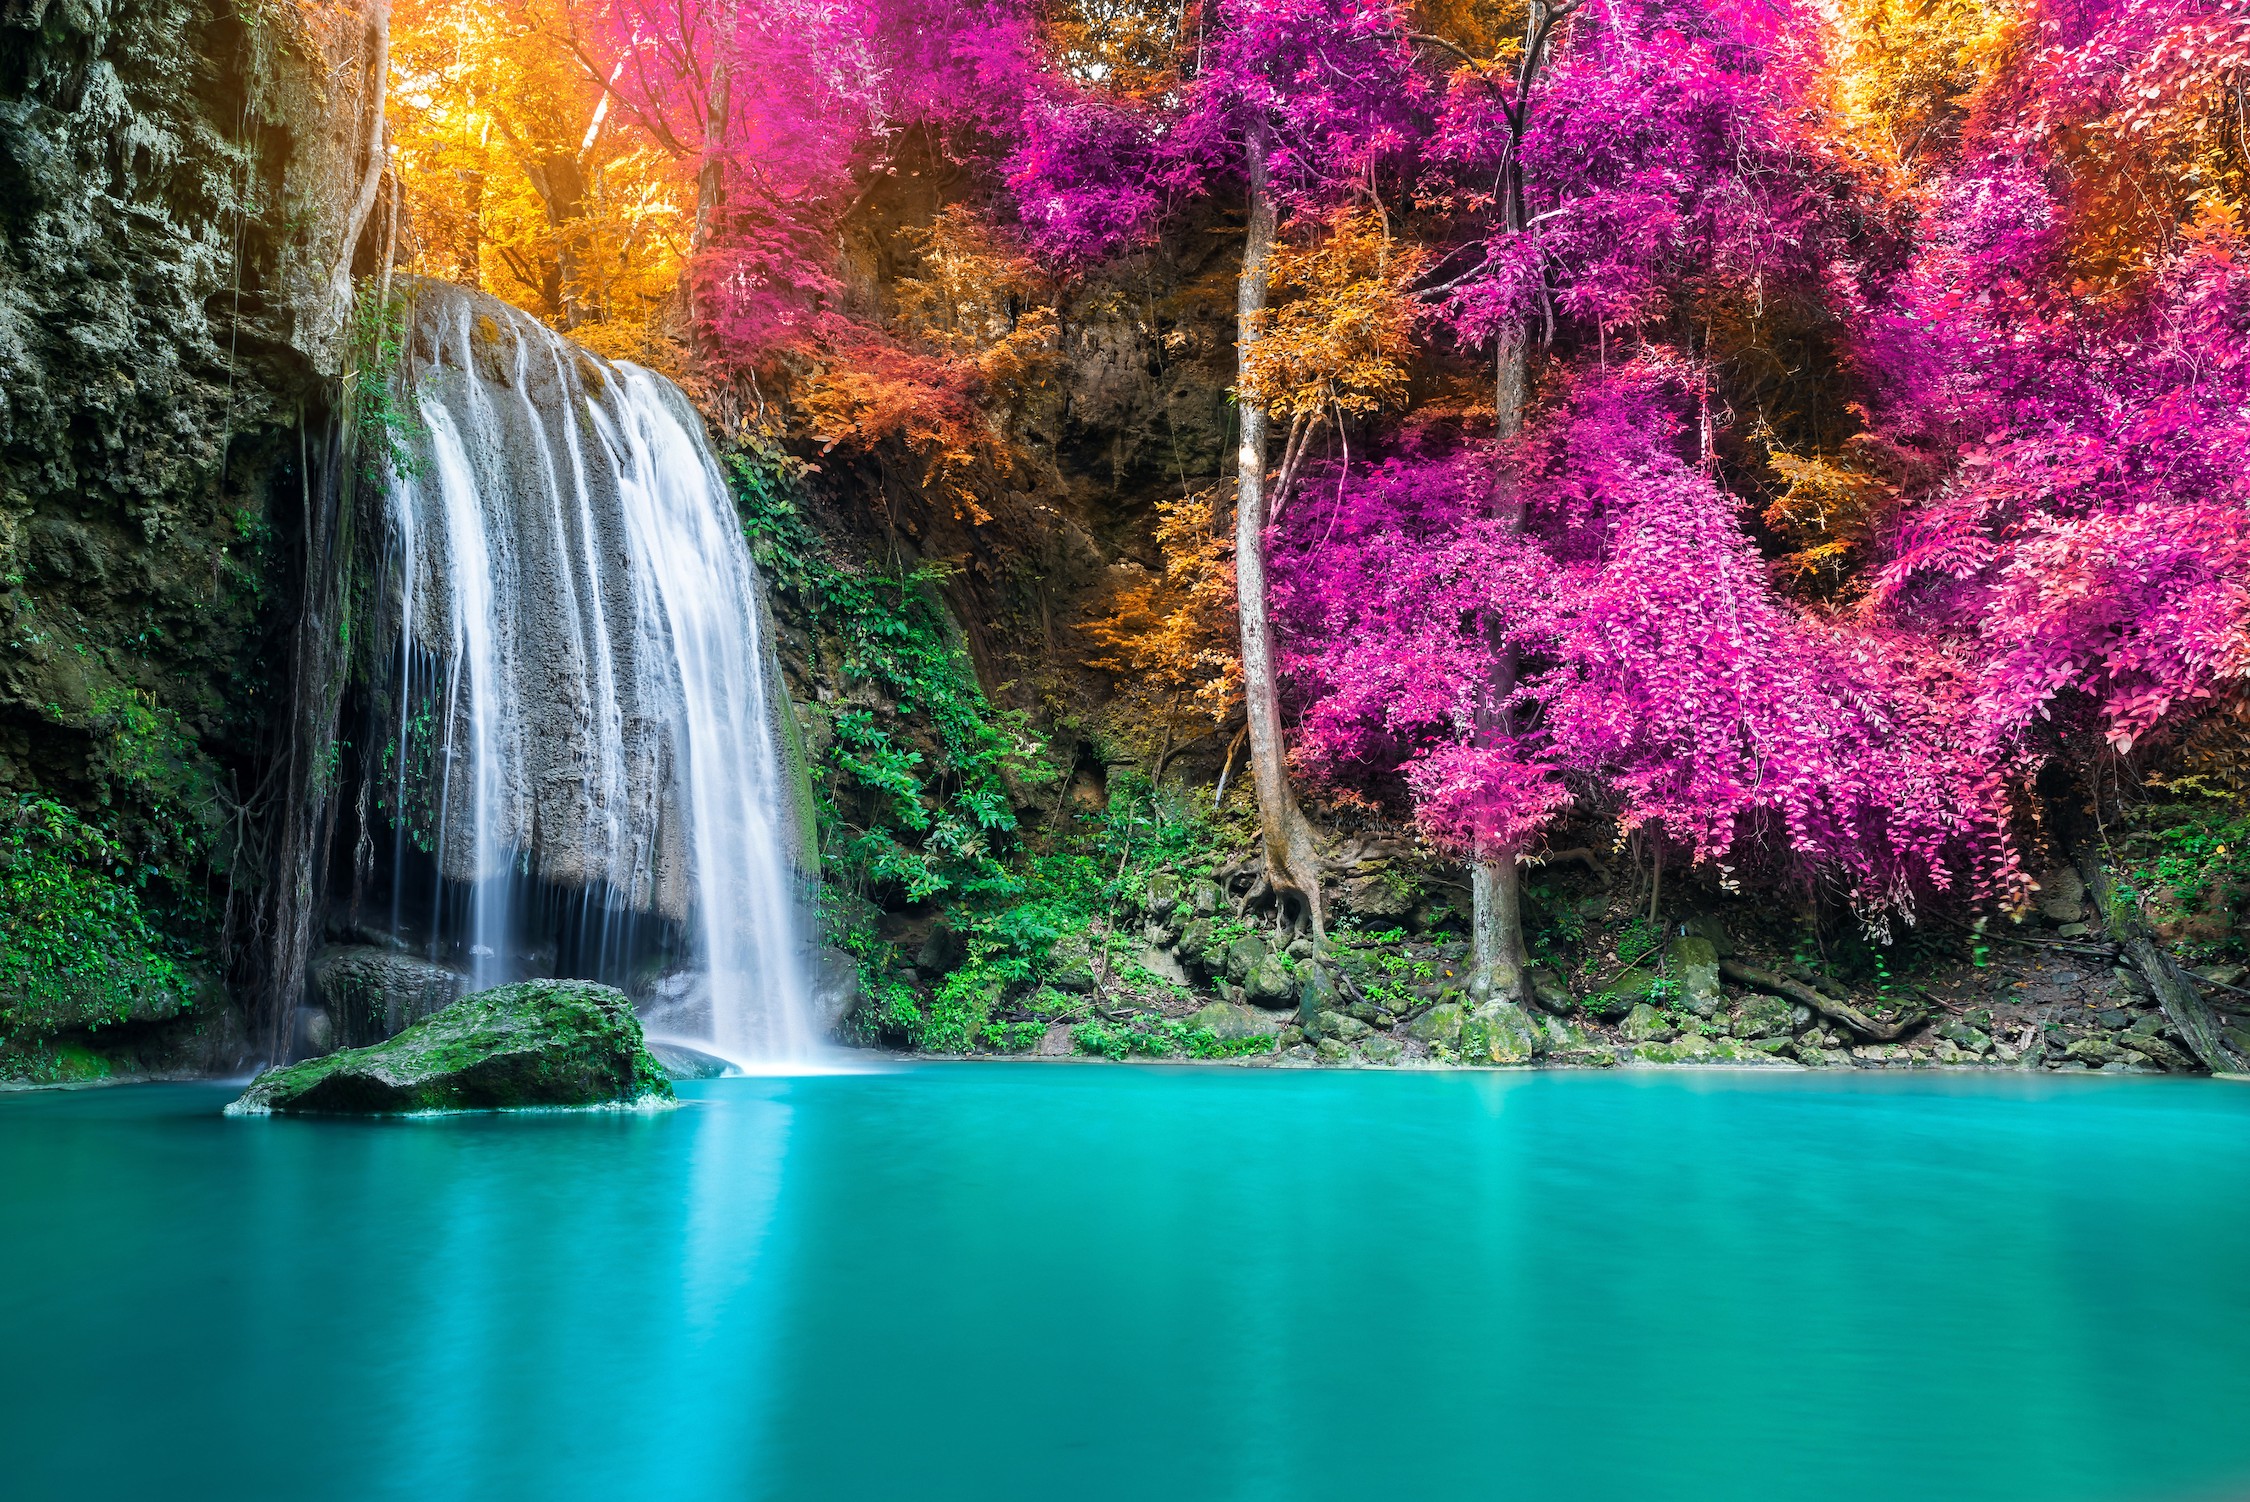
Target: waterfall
585	767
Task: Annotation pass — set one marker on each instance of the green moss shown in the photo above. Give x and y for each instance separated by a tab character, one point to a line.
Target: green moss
913	797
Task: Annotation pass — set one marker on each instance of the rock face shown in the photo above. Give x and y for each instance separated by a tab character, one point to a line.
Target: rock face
1441	1024
1644	1024
835	990
1694	964
1763	1017
1228	1021
537	1043
187	190
682	1062
369	994
1619	995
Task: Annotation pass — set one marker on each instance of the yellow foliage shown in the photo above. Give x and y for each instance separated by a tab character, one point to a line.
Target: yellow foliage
1171	638
2217	750
1903	73
971	338
518	180
1491	30
977	301
1128	47
1831	510
1340	338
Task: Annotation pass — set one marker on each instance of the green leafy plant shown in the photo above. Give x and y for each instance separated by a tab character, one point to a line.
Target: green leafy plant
77	950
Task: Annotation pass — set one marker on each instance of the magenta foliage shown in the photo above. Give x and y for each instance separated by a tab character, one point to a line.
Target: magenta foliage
1085	175
1656	155
811	98
2089	543
1329	88
1655	664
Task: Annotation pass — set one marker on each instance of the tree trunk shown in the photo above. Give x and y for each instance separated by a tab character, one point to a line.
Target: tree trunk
1292	862
561	185
1495	876
710	177
710	190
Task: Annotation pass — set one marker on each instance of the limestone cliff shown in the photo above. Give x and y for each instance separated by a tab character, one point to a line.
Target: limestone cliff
186	190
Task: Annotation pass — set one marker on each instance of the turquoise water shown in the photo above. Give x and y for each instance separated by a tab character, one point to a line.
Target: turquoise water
1052	1282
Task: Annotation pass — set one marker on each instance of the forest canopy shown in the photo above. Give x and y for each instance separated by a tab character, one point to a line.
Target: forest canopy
1793	431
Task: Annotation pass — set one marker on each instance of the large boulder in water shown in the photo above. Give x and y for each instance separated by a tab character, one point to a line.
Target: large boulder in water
536	1043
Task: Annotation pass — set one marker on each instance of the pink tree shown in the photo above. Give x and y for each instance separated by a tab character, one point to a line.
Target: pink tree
1300	103
1648	657
2089	540
1632	158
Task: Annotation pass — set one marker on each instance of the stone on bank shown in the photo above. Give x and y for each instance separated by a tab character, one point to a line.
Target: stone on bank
536	1043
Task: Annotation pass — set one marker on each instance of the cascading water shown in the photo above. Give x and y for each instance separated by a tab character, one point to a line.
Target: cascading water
587	771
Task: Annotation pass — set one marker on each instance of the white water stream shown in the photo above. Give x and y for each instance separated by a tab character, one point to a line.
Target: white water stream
581	631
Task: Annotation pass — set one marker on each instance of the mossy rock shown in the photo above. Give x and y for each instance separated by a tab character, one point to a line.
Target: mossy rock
537	1043
1549	993
1228	1021
1269	984
1440	1024
1763	1017
1500	1032
1645	1024
1618	995
1694	964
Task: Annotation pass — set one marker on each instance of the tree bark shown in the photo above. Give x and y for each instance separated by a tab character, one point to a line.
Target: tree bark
1293	865
710	177
1496	874
1495	877
560	182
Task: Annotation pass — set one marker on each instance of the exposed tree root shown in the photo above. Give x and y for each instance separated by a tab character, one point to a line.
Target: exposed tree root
1828	1006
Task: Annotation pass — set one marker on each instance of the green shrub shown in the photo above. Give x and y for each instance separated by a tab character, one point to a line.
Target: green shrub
77	951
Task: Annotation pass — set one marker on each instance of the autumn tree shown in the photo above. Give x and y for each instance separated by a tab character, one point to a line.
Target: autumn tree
520	179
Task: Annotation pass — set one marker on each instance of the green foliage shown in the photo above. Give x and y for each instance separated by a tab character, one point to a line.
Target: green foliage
1064	904
77	950
148	762
933	826
916	794
386	420
1377	960
1150	1037
2188	861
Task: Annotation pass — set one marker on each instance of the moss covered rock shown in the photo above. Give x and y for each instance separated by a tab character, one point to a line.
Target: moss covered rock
1440	1024
1228	1021
1622	992
1500	1032
1694	965
1645	1024
537	1043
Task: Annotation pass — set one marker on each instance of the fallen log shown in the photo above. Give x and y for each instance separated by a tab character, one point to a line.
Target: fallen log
2183	1005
